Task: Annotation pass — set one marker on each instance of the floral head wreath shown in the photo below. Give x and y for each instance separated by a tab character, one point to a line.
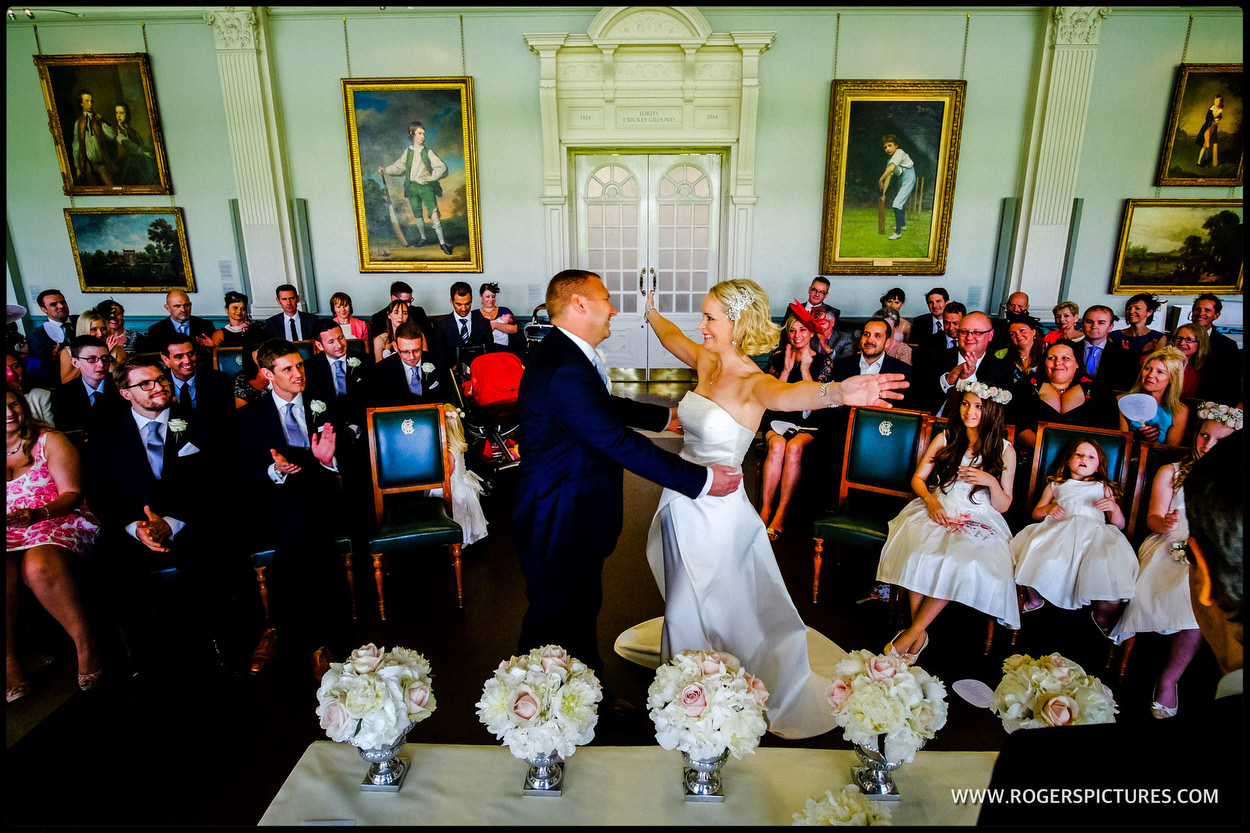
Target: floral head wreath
1000	395
1232	417
738	301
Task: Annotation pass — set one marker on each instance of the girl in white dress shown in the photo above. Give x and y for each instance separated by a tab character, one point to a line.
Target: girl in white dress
951	542
1161	601
711	557
1078	552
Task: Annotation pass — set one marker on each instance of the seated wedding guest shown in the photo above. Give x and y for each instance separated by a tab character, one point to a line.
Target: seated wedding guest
504	330
1224	357
114	315
1122	767
951	543
400	291
818	298
151	480
91	400
288	444
1160	602
970	360
1137	337
341	303
1161	376
787	434
1076	554
178	305
198	391
827	338
91	323
47	525
411	376
249	383
237	319
38	400
460	329
894	299
1111	368
1067	323
894	347
384	341
872	358
50	338
1015	308
1058	392
332	373
930	323
1024	351
292	323
1194	345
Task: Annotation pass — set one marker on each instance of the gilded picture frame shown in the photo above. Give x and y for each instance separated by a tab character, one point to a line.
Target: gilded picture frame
412	216
105	124
1202	141
130	249
861	233
1180	247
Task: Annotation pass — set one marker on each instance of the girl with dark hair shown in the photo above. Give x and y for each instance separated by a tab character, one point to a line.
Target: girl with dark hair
384	342
894	299
951	543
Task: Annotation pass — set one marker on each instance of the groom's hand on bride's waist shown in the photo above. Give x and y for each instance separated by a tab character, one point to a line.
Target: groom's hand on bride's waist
725	481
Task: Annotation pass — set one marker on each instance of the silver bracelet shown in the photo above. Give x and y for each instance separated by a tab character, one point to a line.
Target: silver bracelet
824	387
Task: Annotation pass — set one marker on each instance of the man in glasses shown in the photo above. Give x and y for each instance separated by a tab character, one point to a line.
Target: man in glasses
91	401
970	359
818	297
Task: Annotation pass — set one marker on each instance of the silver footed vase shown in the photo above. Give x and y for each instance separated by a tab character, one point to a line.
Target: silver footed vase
545	775
386	769
702	777
874	778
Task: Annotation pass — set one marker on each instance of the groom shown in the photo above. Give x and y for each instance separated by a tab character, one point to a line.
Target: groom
577	439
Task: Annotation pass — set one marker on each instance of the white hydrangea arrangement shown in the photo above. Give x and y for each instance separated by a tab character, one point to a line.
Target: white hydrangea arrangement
848	807
373	698
873	695
1050	691
703	703
541	702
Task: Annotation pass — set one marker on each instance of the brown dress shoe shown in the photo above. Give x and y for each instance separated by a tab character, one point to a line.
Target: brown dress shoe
321	659
265	651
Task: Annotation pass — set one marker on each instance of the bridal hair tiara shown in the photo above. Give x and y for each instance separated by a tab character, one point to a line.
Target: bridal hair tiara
738	301
984	391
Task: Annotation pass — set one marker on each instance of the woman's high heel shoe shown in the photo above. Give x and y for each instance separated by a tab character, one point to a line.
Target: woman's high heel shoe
86	682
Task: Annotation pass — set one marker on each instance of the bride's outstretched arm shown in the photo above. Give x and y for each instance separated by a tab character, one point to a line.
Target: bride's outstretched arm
671	336
865	391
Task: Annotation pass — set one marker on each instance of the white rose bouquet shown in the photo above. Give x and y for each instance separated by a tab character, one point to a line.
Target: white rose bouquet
873	695
1050	691
703	702
541	702
849	807
371	700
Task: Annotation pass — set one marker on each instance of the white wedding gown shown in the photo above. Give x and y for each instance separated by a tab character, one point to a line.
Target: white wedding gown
723	591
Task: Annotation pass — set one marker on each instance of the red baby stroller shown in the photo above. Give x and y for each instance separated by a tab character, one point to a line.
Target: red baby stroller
489	401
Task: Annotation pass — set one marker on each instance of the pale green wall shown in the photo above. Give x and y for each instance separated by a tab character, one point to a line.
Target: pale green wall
1140	48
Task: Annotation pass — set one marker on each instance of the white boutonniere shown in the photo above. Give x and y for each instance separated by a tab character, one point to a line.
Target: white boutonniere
177	425
353	362
427	367
317	406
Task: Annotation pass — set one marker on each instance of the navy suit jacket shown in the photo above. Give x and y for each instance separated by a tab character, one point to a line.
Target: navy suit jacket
320	385
577	442
260	429
390	386
214	403
277	326
1117	368
155	340
446	337
72	410
922	327
848	366
992	371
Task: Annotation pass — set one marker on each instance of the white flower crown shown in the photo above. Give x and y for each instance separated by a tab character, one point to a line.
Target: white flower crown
738	301
1232	417
1000	395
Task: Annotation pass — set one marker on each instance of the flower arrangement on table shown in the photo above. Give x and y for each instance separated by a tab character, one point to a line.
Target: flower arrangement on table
703	703
873	695
1050	691
848	807
541	702
374	697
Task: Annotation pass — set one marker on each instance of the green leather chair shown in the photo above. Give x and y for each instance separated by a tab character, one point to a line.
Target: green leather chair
882	448
229	360
409	457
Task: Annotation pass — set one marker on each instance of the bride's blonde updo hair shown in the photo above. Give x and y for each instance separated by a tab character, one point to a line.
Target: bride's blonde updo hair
746	305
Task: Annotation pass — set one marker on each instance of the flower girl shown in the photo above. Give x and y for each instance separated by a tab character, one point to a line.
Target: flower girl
1161	602
1078	552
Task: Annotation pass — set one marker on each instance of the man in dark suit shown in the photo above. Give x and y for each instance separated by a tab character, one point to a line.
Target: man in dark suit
1125	765
1111	368
288	444
409	376
87	403
400	291
577	441
333	374
872	358
930	323
51	337
180	320
817	295
969	360
1224	356
1015	309
150	481
459	330
198	391
292	323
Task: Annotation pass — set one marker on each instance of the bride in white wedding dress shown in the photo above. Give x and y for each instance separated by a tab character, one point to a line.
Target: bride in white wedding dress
711	557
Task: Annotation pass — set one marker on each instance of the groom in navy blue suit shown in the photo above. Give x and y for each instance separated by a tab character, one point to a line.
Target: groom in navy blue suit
578	440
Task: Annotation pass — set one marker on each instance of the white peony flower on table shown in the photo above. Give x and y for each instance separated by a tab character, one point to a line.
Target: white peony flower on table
848	807
874	695
371	700
703	703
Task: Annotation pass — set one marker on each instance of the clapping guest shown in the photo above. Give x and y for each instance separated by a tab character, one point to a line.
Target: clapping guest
341	303
1161	377
249	383
114	315
969	361
1067	323
827	338
238	318
1137	337
91	323
384	341
47	525
788	434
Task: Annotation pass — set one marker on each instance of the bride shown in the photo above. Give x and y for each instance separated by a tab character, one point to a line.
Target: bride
711	557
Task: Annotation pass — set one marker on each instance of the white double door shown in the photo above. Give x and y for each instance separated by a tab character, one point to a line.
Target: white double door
649	222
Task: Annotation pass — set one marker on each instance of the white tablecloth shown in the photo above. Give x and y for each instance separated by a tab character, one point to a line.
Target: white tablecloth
608	785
